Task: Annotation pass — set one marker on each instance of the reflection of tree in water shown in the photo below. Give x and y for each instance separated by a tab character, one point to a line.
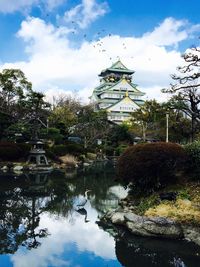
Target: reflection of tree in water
19	218
98	179
64	191
145	251
24	198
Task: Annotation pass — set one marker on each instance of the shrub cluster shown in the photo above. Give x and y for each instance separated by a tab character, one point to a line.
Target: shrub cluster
9	151
25	149
193	161
151	166
74	149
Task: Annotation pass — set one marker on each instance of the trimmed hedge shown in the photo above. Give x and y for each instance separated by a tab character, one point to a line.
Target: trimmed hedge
193	162
151	166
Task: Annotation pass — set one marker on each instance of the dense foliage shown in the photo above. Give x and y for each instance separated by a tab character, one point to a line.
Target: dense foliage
193	162
9	151
151	166
74	149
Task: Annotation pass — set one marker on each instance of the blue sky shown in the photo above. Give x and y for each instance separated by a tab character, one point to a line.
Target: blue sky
62	45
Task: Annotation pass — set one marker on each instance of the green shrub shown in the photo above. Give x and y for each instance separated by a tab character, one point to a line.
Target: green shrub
109	151
74	149
193	162
120	149
9	151
25	149
50	155
59	150
150	166
91	156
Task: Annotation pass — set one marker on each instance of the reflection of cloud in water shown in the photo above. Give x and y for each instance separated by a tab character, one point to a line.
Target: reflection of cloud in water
64	232
118	191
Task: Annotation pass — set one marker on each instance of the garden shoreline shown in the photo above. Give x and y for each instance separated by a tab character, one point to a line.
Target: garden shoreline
152	226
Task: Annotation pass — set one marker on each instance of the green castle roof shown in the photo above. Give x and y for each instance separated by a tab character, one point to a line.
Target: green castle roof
117	67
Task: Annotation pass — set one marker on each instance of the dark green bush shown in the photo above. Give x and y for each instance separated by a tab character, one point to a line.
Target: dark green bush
151	166
50	155
25	149
59	150
74	149
120	149
9	151
108	151
193	162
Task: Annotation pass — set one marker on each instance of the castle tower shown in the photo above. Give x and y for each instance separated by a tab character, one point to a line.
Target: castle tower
117	94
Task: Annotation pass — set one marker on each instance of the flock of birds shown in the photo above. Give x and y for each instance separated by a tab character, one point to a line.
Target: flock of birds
99	45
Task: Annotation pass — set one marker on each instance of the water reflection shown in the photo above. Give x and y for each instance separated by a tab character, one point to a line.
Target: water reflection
41	227
19	215
83	212
143	251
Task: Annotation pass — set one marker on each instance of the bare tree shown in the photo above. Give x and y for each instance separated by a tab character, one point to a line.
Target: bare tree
186	89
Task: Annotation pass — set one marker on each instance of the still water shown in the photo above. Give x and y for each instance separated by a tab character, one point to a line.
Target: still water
40	225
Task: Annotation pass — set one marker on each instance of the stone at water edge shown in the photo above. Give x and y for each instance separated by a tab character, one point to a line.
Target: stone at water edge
4	168
18	168
118	218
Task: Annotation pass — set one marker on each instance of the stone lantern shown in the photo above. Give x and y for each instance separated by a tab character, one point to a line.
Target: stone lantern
37	154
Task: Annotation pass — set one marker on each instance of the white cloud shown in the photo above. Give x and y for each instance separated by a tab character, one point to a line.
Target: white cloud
169	32
64	233
51	4
10	6
85	13
54	64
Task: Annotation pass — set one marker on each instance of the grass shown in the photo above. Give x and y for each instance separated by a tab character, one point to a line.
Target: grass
186	207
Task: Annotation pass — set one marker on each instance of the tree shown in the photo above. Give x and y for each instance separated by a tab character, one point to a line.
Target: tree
64	113
18	102
150	120
186	89
148	117
120	133
91	125
13	88
36	112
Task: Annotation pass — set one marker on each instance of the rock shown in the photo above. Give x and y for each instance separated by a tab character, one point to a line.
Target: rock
133	218
4	168
137	229
85	164
155	226
145	226
118	218
168	196
18	168
162	227
192	233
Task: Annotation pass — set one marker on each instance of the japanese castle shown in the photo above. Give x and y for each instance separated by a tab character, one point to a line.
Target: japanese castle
116	93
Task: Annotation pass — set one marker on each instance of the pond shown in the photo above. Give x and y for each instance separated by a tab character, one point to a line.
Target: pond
41	226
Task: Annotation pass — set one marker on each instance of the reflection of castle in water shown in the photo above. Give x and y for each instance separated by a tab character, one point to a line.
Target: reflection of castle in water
111	200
